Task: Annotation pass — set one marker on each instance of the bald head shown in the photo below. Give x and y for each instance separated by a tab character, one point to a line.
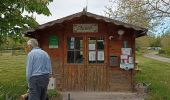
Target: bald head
33	43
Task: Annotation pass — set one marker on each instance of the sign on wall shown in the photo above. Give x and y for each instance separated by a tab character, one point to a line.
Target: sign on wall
53	41
85	28
100	55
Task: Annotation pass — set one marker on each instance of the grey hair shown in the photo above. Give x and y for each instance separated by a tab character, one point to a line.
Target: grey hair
33	43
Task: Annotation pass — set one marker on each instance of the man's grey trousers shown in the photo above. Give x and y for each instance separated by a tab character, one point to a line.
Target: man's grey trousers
38	87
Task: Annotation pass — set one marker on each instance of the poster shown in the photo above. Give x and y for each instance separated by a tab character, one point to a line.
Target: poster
126	51
72	43
131	60
100	56
91	46
124	57
53	42
126	66
92	55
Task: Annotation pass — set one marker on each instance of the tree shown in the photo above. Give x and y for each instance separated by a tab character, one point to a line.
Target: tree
156	42
158	8
12	20
144	13
143	42
165	40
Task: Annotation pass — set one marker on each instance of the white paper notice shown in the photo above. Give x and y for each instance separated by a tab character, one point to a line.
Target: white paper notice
91	46
126	51
92	55
100	56
130	59
72	43
124	57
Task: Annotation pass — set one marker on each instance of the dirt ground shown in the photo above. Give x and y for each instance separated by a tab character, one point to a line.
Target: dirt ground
101	96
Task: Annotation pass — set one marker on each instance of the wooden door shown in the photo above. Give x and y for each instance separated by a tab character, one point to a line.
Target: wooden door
74	64
96	75
85	67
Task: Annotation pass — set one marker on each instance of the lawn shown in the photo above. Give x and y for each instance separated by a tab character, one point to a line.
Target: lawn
158	74
12	75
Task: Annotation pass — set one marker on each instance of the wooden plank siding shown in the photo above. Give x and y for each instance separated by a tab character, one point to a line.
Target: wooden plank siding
85	76
120	80
72	76
95	78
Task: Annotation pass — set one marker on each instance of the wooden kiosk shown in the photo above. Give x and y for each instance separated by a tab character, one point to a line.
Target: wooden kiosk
90	52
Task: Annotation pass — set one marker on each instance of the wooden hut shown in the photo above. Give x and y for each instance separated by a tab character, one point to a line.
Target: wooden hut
90	52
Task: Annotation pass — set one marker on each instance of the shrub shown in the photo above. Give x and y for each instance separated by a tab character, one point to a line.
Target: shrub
162	51
52	93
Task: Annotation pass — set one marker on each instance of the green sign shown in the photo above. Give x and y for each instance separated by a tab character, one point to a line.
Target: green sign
53	42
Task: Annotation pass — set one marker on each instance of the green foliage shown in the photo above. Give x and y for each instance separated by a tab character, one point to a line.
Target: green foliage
165	52
165	41
157	73
52	93
162	41
129	11
12	21
147	41
143	41
162	51
156	42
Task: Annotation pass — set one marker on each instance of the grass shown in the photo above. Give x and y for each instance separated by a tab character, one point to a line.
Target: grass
157	73
12	75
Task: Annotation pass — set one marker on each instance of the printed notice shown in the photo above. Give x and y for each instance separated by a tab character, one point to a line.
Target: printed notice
100	56
92	55
91	46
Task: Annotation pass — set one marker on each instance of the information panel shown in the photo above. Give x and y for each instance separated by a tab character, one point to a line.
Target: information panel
85	28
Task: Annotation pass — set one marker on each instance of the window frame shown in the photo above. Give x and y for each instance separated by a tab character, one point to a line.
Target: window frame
96	49
81	49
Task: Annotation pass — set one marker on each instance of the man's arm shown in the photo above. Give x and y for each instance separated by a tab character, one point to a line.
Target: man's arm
29	66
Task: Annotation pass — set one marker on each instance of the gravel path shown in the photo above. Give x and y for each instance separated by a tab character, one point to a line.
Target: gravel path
101	96
156	57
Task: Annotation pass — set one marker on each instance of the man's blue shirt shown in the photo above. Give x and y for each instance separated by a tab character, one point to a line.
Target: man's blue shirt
38	63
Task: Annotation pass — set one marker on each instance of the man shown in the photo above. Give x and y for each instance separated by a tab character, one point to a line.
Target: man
38	69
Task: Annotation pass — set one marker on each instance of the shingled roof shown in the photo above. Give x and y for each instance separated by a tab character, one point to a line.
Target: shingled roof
140	31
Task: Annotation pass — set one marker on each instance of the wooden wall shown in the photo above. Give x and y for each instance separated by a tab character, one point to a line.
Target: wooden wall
88	77
85	78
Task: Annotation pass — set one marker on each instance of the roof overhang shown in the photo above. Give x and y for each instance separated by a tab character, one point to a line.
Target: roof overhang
138	30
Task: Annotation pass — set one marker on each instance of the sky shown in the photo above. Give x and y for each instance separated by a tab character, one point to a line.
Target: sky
62	8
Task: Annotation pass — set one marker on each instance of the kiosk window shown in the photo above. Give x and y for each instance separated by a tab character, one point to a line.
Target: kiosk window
96	49
74	50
